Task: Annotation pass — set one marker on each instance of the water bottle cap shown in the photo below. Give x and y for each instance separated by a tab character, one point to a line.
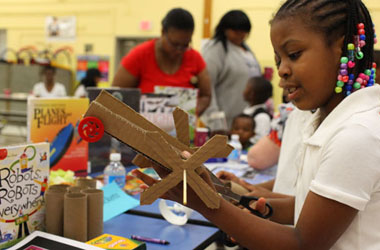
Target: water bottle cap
235	137
115	157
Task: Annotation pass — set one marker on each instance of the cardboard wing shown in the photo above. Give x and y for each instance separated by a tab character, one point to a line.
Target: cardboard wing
128	126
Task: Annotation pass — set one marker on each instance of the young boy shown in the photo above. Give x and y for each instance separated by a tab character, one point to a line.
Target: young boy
256	93
244	126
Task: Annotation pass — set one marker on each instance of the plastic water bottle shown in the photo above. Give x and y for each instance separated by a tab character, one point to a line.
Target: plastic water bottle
236	152
115	171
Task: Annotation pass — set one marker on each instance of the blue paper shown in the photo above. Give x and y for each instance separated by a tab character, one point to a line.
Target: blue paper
116	201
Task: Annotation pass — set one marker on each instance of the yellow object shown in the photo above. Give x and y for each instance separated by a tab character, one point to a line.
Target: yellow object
61	177
109	241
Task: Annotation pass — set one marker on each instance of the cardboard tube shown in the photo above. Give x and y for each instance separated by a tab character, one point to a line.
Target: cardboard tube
74	189
95	212
54	209
75	216
236	188
59	187
86	183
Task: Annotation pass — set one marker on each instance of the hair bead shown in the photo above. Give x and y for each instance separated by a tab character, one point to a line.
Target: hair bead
359	55
339	84
338	90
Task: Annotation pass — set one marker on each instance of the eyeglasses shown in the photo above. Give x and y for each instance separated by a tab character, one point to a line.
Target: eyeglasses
177	46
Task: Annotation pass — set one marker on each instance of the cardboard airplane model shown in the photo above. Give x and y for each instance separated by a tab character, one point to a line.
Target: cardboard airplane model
154	144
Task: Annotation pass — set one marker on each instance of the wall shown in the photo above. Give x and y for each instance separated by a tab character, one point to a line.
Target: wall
99	22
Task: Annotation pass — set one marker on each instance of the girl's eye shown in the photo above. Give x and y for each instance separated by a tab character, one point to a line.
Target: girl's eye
277	61
295	56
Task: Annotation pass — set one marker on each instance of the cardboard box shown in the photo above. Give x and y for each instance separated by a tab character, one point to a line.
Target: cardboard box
113	242
24	172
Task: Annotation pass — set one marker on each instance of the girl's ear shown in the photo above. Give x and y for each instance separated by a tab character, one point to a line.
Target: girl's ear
338	46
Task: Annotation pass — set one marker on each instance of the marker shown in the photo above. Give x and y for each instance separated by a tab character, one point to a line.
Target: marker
150	240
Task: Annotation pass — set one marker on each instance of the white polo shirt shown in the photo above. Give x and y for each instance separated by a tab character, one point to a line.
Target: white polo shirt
262	120
58	90
286	175
340	160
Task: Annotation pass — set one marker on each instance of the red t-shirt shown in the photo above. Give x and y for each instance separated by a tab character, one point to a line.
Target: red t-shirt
141	63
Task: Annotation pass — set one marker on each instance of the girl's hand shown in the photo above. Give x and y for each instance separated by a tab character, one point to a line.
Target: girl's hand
259	205
257	191
227	176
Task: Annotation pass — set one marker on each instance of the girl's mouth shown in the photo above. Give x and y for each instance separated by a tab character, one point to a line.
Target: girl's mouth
291	90
293	93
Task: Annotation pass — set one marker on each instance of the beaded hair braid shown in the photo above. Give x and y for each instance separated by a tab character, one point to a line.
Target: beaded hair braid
334	19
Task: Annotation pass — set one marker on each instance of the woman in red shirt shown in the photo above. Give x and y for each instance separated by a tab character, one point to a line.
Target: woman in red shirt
167	61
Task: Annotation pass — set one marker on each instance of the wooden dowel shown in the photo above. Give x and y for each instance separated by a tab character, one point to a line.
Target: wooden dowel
184	188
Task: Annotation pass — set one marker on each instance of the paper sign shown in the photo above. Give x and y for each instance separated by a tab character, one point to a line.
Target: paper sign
116	201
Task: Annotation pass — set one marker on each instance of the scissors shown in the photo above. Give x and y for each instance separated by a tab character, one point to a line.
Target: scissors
245	201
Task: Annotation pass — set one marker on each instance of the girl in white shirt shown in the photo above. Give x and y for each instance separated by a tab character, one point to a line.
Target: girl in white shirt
49	88
323	51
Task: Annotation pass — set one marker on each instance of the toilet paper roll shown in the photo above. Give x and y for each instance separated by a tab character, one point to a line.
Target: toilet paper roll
59	187
54	209
95	212
85	183
74	189
237	188
75	216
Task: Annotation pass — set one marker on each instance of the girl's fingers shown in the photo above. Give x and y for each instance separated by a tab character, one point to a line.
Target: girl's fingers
145	178
223	175
186	154
246	185
260	205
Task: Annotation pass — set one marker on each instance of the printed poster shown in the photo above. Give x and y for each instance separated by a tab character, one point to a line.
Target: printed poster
60	28
186	99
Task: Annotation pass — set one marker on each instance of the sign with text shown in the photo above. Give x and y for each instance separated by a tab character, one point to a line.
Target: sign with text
116	201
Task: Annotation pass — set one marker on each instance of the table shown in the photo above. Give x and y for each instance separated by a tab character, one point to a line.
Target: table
185	237
198	233
154	212
244	171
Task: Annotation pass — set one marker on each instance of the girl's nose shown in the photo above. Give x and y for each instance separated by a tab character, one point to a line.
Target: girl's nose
284	71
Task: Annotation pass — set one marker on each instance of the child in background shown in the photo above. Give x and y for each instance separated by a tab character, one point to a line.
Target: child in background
92	78
49	88
324	55
257	92
244	126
